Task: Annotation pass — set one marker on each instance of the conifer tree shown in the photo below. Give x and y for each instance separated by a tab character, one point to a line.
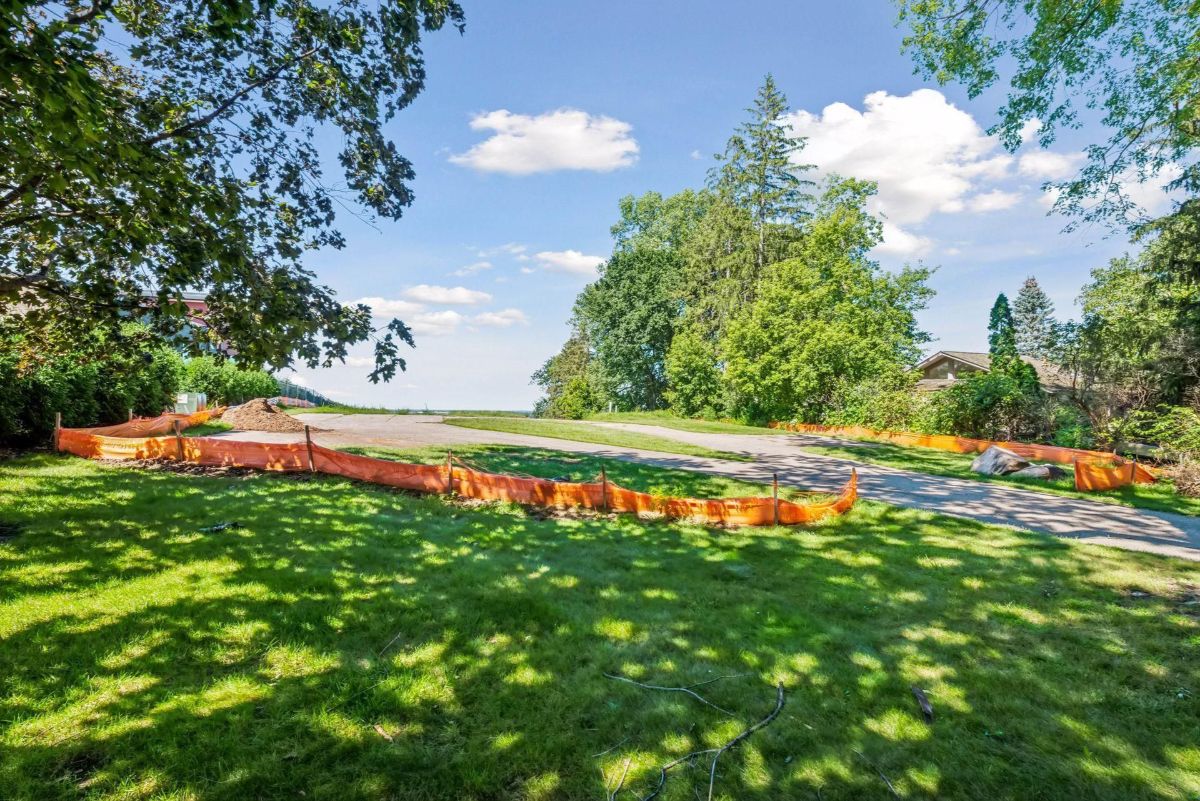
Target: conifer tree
1033	318
1002	346
757	171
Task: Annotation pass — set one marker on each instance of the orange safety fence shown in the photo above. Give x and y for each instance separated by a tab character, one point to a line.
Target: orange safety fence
1130	472
458	478
1095	475
153	426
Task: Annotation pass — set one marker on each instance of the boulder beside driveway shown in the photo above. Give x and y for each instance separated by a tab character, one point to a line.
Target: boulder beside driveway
1044	471
997	461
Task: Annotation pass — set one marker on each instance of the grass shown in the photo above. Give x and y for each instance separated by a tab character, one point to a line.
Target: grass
563	466
668	420
347	642
582	432
346	409
207	429
339	408
1159	496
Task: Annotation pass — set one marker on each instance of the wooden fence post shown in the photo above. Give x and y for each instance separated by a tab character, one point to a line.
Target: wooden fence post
57	428
603	489
775	495
308	442
178	440
449	474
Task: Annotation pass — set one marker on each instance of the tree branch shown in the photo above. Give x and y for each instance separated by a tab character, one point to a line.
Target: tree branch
227	103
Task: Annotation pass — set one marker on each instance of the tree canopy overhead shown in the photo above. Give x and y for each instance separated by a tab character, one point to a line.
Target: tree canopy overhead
162	147
1135	64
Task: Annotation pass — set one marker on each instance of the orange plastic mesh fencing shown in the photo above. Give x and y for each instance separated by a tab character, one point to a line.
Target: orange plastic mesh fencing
1096	475
465	481
153	426
1140	474
417	477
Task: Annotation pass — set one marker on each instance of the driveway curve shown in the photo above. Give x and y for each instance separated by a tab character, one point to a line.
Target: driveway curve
1073	518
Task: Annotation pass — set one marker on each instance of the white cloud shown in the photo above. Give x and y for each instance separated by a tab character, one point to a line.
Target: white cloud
926	154
569	261
566	139
1047	165
385	307
696	155
471	269
898	242
508	248
446	295
527	270
503	318
1030	129
995	200
436	323
360	361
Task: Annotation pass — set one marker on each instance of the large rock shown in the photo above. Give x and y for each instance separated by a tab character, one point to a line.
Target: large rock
1044	471
997	461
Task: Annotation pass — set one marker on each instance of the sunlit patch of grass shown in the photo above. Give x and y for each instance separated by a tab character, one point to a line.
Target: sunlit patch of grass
668	420
350	642
207	429
1160	496
583	432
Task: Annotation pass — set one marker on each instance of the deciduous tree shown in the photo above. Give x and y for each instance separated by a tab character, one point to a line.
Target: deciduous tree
158	147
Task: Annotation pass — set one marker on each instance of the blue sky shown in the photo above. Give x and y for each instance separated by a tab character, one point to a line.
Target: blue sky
537	120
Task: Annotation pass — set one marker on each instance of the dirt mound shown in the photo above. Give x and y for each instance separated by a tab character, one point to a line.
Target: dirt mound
258	415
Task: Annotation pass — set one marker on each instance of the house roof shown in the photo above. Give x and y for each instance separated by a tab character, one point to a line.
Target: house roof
1049	375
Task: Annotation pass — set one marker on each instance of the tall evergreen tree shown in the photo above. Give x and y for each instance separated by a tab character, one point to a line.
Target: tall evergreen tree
1033	318
757	171
1002	346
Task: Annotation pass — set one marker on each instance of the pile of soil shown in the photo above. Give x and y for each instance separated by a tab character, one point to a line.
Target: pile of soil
258	415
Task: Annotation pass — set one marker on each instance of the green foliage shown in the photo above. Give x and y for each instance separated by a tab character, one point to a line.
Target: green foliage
96	381
1034	326
758	172
887	402
693	380
1134	347
567	378
829	316
1138	61
225	382
1002	347
628	317
992	405
651	222
155	148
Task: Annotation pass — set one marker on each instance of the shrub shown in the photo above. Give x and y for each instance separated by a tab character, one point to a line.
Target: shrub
986	406
1175	430
888	402
90	383
225	382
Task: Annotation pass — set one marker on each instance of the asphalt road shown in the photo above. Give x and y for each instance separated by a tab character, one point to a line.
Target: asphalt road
1084	520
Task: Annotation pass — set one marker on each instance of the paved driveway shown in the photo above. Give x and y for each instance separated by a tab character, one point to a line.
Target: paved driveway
1088	521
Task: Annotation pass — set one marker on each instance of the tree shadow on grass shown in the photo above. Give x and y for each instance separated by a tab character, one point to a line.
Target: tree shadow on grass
351	642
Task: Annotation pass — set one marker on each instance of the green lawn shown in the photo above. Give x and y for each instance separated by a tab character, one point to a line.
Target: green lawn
1160	495
343	409
564	466
582	432
207	429
668	420
354	643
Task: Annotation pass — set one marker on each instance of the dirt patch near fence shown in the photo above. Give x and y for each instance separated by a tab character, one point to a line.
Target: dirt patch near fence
259	415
